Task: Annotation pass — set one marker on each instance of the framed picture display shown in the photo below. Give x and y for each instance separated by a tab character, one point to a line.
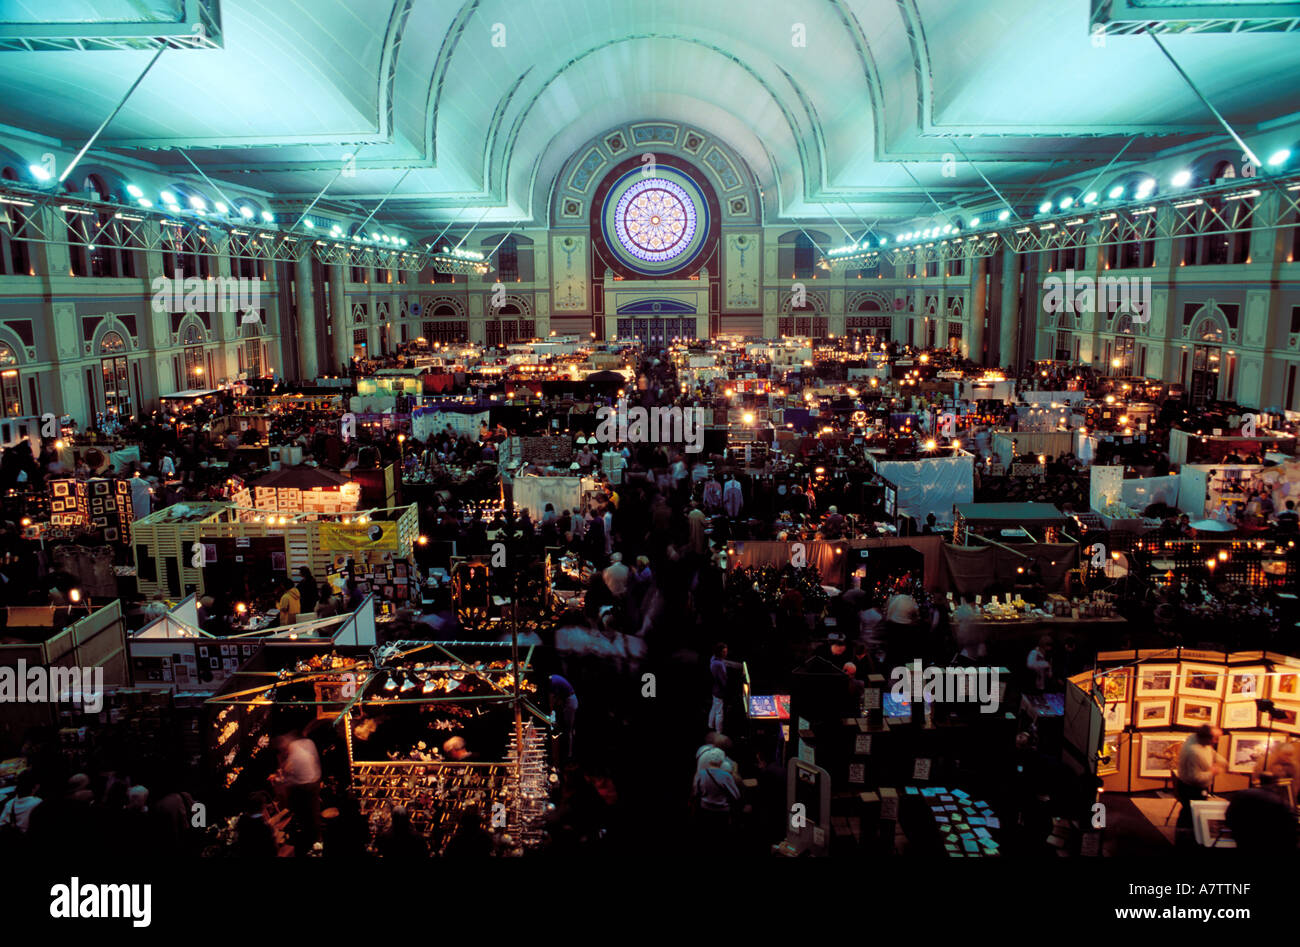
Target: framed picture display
1159	754
1157	713
1285	684
1240	715
1115	716
1114	685
1157	680
1248	748
1246	683
1202	680
1197	712
1284	717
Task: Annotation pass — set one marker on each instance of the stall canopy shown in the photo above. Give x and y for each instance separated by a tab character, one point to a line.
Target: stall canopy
301	478
931	485
563	493
432	419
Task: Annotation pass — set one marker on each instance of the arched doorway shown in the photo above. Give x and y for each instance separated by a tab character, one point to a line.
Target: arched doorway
113	372
1207	359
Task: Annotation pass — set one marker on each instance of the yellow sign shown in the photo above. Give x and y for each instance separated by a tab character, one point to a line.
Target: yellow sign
353	537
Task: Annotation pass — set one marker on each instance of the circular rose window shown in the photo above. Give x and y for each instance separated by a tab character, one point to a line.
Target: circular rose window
655	220
655	224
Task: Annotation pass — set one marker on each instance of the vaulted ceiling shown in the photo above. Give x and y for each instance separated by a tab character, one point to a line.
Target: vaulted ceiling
836	105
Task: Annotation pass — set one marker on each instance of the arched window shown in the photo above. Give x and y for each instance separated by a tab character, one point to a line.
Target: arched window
508	261
11	399
1209	331
251	349
113	369
194	371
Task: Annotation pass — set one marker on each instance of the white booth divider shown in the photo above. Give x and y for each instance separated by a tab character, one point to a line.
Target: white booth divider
931	485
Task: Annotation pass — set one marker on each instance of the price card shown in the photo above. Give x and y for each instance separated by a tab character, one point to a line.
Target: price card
921	769
819	836
871	698
857	773
862	744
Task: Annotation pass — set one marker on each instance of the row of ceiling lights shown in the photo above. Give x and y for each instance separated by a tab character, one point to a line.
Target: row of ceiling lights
169	201
1144	189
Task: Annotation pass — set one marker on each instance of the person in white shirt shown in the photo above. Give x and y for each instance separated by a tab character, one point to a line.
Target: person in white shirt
616	576
300	774
1198	763
1040	662
17	812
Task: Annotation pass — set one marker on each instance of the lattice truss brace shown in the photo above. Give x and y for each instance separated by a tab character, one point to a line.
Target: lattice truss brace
199	27
41	217
1125	18
1203	212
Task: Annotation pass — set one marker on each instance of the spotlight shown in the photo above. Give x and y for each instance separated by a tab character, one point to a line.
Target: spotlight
1116	192
134	191
1181	179
198	203
1045	207
974	222
1066	202
1145	188
1090	197
1279	157
38	172
221	208
168	198
246	213
268	216
1004	214
390	685
145	202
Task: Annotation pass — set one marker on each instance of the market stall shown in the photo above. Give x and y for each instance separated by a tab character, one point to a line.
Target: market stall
930	484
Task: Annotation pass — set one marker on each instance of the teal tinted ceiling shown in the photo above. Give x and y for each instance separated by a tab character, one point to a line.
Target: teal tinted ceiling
482	101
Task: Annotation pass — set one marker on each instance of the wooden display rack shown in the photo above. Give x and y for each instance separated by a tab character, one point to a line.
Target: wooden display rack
162	537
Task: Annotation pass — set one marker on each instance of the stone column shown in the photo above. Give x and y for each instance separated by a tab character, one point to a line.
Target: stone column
340	320
1010	310
978	305
306	328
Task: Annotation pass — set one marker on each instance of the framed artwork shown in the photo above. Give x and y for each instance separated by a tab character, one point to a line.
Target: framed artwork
1240	715
1157	680
1210	823
1202	680
1110	751
1248	748
110	534
1285	684
101	488
60	488
1159	754
1245	683
1114	685
56	506
1115	716
1155	713
1285	717
1196	712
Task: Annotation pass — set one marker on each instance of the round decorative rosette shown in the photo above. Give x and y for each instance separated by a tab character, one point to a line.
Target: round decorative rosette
655	223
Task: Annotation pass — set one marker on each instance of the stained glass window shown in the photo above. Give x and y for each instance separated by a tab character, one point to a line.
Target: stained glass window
655	220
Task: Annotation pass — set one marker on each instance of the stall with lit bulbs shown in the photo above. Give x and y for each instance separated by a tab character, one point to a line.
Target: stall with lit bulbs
435	727
178	549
